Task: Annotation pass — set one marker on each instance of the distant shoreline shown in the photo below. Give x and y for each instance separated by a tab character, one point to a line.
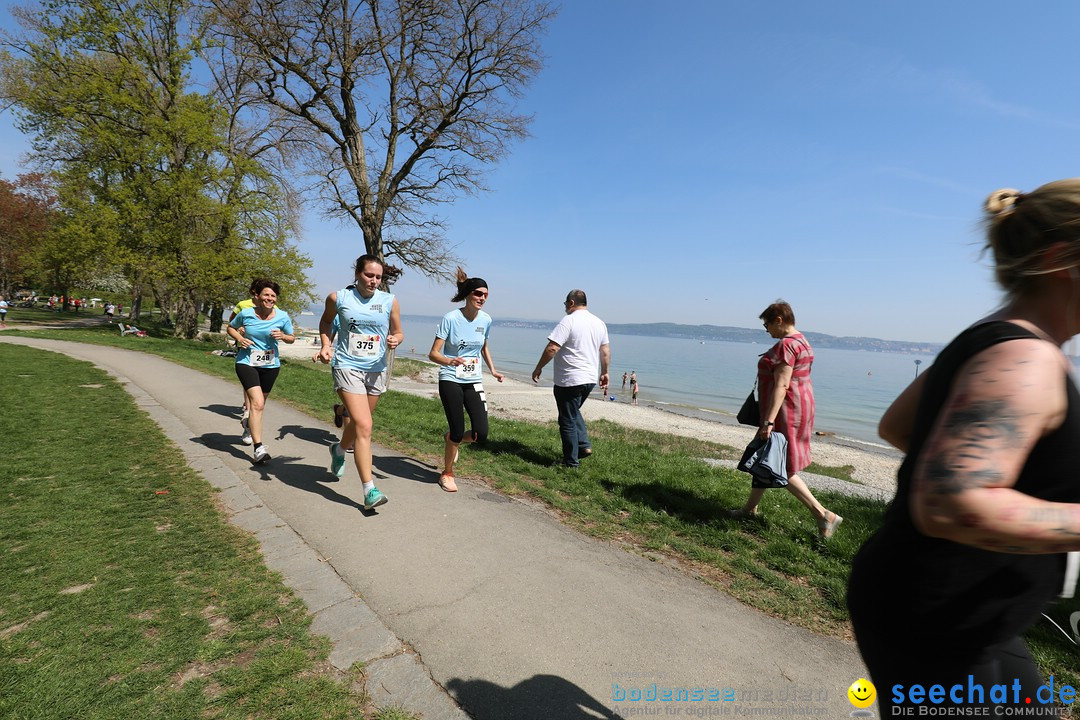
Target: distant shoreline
308	338
723	333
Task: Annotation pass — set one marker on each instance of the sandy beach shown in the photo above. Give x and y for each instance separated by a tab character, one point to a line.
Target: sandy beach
875	470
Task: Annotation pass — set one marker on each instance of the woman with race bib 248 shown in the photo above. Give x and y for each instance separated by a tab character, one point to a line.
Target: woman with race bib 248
257	358
370	324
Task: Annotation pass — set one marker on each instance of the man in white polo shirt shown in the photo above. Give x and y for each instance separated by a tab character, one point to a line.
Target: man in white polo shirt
579	345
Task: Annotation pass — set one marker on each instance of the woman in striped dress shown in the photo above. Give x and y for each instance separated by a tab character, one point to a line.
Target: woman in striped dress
786	402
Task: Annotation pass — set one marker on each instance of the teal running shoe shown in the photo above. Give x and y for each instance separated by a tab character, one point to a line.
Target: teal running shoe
337	462
373	499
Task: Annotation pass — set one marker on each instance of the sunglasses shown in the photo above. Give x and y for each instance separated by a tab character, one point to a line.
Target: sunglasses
479	294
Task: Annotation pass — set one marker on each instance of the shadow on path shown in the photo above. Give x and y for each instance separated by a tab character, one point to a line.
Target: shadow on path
229	411
224	443
317	436
289	470
406	468
541	697
309	479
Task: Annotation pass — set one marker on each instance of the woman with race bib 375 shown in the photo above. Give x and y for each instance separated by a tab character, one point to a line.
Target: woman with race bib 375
370	324
460	342
257	358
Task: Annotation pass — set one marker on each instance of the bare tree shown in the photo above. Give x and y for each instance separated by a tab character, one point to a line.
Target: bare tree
401	104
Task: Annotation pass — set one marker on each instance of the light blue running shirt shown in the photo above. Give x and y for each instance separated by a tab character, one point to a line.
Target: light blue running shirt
364	325
463	339
264	350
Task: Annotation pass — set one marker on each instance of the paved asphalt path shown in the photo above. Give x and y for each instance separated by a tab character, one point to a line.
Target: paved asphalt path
472	602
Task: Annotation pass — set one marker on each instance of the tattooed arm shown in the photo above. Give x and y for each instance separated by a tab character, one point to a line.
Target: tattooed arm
1003	401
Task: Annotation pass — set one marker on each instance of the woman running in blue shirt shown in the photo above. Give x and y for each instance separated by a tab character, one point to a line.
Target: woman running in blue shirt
460	342
370	324
257	331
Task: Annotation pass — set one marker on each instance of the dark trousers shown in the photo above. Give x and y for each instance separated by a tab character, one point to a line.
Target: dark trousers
575	437
459	398
893	666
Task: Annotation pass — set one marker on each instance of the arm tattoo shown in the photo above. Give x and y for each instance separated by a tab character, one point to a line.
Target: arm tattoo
981	428
1062	520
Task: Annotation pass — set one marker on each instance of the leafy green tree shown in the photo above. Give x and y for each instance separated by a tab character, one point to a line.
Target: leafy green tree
68	255
27	211
105	92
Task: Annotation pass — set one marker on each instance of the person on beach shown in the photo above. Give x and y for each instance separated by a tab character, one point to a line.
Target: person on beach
257	331
579	345
971	550
461	340
370	324
786	405
245	436
633	392
624	378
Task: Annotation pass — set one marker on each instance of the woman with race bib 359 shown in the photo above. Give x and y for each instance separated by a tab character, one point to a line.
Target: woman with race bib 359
257	358
460	342
370	324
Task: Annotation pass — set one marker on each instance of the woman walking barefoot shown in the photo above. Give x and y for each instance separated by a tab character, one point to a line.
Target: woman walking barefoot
786	403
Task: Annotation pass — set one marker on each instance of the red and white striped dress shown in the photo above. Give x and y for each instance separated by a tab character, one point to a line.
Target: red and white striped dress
796	417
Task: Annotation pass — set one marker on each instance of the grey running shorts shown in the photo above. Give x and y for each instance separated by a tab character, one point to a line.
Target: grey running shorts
359	382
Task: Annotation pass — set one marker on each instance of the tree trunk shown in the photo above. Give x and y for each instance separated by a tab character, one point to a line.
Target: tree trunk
371	227
163	300
135	311
187	315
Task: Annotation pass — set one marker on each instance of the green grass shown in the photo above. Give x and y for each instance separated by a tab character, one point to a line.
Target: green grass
650	492
41	316
843	472
123	592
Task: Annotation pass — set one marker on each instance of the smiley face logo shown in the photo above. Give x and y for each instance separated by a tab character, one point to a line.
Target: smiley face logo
862	693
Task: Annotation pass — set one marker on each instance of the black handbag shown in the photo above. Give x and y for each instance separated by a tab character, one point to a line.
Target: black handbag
750	413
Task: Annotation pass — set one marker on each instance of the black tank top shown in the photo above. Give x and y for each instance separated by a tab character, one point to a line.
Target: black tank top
907	585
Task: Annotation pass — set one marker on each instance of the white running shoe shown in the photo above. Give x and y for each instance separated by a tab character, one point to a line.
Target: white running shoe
261	455
246	437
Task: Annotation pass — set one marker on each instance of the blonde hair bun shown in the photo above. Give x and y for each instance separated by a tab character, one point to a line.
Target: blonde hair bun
1002	200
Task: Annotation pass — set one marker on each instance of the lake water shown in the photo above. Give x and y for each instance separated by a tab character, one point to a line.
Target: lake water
852	388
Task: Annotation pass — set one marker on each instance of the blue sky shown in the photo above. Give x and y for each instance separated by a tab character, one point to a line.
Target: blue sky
692	161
